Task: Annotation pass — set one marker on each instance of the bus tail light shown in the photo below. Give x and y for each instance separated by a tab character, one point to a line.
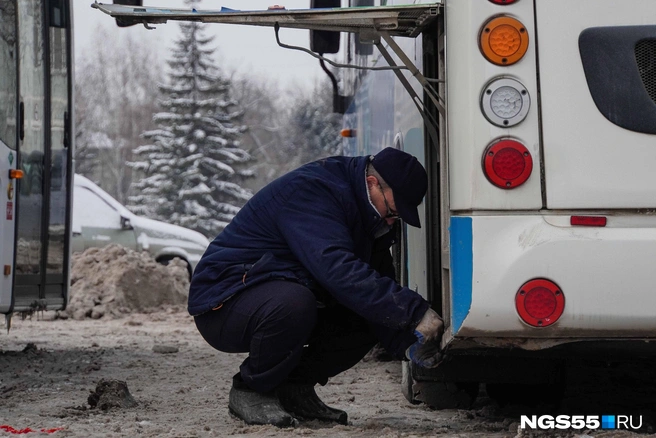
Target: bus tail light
503	2
504	40
540	302
507	164
505	102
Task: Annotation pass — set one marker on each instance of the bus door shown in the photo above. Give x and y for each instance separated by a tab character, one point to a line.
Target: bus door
8	142
44	155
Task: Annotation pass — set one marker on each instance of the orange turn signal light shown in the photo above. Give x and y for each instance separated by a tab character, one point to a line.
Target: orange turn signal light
504	40
7	270
348	133
16	174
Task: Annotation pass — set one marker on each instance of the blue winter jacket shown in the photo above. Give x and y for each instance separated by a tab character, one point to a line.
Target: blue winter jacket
314	225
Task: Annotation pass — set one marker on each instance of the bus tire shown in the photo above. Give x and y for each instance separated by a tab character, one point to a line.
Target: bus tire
407	382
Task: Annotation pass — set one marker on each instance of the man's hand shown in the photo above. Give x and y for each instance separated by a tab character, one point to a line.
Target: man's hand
426	351
430	328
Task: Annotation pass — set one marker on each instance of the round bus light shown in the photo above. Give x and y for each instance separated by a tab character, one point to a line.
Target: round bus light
540	302
505	102
507	164
504	40
503	2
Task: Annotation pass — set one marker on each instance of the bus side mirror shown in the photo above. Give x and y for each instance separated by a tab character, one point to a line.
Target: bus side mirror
324	41
125	22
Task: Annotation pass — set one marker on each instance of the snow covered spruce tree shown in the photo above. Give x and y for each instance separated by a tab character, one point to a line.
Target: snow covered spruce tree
315	128
193	165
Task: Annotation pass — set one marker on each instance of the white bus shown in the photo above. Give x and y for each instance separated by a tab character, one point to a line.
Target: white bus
36	153
536	121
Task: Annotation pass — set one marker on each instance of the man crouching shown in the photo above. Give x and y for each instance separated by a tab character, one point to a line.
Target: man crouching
302	279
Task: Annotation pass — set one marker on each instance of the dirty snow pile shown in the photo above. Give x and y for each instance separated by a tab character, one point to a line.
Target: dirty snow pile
114	281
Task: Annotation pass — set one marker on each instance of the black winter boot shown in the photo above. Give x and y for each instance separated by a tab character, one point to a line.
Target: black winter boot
257	408
303	401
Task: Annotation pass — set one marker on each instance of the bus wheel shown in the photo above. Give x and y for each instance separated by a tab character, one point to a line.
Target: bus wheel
407	382
446	395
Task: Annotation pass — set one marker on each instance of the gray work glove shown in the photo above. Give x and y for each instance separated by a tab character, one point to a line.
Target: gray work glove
426	351
430	327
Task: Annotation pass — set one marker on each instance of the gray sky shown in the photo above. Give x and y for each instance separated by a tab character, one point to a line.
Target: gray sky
248	50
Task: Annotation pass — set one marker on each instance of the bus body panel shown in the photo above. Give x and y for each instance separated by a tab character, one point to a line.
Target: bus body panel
589	161
469	132
605	274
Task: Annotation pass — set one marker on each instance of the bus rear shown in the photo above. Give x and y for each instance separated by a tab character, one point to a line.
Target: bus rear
551	123
549	225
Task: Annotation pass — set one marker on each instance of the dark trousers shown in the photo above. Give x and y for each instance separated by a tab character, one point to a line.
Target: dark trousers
289	338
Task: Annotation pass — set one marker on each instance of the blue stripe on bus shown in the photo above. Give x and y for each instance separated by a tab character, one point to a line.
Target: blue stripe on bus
461	269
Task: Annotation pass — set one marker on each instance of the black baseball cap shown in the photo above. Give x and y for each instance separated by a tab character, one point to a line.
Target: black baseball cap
407	178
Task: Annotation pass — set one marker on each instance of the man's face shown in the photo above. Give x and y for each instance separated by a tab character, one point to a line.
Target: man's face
383	200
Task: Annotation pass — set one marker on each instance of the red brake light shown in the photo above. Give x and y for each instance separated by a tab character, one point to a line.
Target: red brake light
588	221
507	164
503	2
540	302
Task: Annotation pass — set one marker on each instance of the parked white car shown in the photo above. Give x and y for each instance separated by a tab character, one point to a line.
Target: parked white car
99	219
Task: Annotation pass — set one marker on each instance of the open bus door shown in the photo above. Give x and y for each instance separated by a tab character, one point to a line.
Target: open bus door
35	52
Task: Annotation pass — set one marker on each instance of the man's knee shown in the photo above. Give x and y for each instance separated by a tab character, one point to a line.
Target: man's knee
292	305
